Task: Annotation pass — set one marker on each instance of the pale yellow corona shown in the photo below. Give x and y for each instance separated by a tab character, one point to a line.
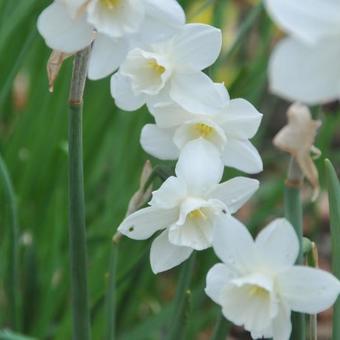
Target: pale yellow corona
204	130
159	69
197	214
110	4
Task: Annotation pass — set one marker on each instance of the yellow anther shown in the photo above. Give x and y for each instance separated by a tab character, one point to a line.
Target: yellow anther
258	291
159	69
197	214
204	130
110	4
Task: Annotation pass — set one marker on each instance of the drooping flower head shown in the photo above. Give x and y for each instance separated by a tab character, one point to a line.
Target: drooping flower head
229	131
258	285
172	70
186	206
304	66
115	25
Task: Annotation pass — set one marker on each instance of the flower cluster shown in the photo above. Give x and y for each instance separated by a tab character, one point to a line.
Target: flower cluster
159	61
302	65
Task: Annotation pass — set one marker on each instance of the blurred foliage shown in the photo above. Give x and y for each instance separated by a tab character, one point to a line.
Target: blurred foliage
33	132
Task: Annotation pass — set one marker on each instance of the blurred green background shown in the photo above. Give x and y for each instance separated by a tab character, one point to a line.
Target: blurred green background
33	144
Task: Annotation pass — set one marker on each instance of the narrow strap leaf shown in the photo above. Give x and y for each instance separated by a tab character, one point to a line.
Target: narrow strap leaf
334	209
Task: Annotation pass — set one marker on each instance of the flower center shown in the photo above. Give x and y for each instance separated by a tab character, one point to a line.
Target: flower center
259	292
203	130
197	214
110	4
159	69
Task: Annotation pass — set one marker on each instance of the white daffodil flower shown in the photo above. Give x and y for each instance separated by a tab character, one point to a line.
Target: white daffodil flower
172	69
116	26
304	66
229	131
186	206
258	285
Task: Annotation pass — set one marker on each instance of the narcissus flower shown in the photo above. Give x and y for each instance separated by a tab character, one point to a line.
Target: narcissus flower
258	285
304	67
116	25
172	69
229	131
186	206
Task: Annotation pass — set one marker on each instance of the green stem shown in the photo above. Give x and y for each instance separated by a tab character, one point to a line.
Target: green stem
293	213
77	228
334	208
222	328
181	299
13	288
111	294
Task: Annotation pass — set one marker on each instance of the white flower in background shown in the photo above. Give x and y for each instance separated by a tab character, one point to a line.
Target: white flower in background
304	67
229	130
185	207
172	69
258	285
116	25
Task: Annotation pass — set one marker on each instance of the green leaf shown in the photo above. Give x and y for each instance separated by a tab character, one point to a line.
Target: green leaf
334	209
8	335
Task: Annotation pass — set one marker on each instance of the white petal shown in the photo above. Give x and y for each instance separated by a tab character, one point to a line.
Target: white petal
235	192
305	73
169	114
196	93
278	243
217	278
123	95
282	326
234	245
308	20
159	142
200	166
308	290
63	33
240	119
242	155
197	46
169	12
145	222
118	21
107	55
74	7
170	194
164	255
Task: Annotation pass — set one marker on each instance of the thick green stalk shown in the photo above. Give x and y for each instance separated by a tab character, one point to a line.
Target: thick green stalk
77	228
222	328
111	294
334	209
181	299
13	288
294	214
